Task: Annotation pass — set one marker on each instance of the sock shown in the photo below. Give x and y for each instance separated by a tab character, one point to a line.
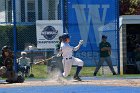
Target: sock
78	70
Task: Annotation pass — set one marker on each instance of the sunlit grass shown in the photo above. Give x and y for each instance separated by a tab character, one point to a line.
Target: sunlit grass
40	71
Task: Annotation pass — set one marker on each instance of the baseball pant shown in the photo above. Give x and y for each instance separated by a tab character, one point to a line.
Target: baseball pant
68	62
109	62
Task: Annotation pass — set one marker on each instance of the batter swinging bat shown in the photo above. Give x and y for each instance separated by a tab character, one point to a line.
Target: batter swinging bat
45	60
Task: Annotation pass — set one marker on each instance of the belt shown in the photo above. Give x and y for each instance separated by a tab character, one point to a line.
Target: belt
68	58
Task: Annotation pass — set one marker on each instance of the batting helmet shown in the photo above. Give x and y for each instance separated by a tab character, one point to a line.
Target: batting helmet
64	36
5	48
60	38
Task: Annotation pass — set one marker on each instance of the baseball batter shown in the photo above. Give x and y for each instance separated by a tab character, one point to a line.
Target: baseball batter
68	59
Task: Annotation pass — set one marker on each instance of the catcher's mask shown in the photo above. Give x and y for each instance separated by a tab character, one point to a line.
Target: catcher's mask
6	49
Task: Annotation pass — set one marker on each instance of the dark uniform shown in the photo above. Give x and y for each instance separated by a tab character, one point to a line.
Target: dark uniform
2	74
1	61
105	52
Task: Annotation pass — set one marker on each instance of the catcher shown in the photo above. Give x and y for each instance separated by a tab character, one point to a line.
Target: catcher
6	66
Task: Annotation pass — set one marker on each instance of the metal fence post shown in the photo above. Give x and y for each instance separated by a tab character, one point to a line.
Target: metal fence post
118	36
14	34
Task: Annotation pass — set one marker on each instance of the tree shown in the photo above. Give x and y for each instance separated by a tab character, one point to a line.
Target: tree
5	36
129	7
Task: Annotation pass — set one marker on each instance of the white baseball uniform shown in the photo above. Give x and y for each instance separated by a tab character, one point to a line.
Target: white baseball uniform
68	58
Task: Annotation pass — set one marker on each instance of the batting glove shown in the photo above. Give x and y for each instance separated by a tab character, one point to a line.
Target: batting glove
81	42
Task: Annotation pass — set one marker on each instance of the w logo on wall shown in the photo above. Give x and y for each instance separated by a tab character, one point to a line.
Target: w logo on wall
89	20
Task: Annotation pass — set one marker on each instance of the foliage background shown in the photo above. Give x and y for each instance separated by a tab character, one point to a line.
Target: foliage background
129	7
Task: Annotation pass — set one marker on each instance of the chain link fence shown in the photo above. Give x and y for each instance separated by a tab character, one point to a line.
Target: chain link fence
27	12
89	22
23	14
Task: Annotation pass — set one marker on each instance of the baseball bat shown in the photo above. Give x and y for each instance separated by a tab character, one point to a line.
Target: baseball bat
44	61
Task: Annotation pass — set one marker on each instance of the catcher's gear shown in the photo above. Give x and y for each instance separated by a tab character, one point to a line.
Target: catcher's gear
64	36
14	78
10	75
8	63
20	79
2	70
5	48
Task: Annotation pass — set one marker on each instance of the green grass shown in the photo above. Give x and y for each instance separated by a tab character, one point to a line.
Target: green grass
40	71
86	71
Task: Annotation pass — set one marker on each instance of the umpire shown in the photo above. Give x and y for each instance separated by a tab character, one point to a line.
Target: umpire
105	52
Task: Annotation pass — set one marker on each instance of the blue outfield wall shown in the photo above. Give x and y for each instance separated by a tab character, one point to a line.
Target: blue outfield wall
89	20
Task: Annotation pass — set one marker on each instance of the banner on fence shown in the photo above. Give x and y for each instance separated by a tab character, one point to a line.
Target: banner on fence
48	32
89	20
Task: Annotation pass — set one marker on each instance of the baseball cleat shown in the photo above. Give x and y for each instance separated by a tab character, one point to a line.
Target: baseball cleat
94	74
77	78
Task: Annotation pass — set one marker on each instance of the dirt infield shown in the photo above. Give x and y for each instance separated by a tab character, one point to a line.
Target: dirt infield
98	82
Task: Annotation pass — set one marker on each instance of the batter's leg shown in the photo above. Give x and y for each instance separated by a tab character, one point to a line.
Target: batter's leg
79	63
67	64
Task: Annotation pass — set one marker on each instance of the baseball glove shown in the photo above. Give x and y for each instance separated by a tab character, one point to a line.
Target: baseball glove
2	70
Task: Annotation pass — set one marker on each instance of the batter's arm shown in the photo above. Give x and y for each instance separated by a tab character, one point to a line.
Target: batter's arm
78	46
